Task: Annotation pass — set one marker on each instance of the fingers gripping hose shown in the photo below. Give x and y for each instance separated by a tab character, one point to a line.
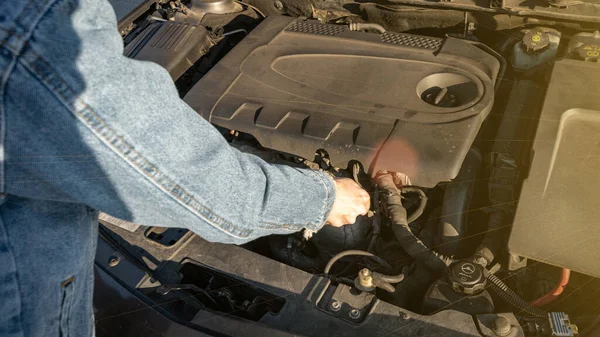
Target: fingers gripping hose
510	297
409	242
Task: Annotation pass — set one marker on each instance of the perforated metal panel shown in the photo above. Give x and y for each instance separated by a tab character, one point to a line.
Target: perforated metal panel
315	28
411	40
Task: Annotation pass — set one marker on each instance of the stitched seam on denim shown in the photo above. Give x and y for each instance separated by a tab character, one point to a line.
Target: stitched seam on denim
22	31
65	310
21	37
126	151
6	45
14	261
286	227
13	32
3	84
31	26
5	76
320	178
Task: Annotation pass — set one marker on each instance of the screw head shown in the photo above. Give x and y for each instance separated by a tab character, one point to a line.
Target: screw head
502	326
365	272
113	261
335	306
354	314
278	5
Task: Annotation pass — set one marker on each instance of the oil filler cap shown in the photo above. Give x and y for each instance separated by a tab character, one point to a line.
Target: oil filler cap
535	40
467	277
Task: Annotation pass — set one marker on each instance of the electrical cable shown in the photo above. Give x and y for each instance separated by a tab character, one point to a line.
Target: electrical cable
555	292
411	244
512	298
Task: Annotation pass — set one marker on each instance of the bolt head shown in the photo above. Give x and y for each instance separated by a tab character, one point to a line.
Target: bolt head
335	306
502	326
354	314
113	261
365	272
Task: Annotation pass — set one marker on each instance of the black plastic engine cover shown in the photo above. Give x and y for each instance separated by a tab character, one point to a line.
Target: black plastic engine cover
175	46
397	102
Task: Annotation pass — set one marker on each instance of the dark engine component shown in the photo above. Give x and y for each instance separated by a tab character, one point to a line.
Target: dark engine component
223	293
466	277
463	289
409	242
557	215
397	102
173	45
457	197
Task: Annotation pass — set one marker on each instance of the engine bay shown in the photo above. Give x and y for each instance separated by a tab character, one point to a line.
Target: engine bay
475	136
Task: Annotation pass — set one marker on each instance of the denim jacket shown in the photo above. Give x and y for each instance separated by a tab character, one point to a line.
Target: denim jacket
84	129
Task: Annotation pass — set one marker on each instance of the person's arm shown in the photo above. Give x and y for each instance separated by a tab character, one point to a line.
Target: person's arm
85	124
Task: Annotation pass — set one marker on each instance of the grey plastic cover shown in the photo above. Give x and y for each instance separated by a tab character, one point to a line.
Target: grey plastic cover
558	218
398	102
175	46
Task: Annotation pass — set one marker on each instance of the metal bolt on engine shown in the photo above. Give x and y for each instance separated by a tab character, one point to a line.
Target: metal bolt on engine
354	314
502	326
113	261
364	281
335	306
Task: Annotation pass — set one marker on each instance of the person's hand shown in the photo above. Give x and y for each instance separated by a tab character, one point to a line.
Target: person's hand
350	201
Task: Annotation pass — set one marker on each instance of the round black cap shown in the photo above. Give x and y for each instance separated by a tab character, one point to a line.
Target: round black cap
467	277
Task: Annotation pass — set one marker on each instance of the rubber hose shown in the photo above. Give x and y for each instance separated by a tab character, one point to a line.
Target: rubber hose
365	26
352	252
389	278
553	294
409	242
512	298
422	202
457	196
383	285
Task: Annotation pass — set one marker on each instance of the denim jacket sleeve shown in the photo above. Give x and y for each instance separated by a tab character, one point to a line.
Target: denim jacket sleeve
84	124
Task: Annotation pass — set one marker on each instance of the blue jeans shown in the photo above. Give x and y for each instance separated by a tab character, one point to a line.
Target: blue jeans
84	129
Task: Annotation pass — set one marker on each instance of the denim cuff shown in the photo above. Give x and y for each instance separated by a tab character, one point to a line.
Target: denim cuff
328	197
